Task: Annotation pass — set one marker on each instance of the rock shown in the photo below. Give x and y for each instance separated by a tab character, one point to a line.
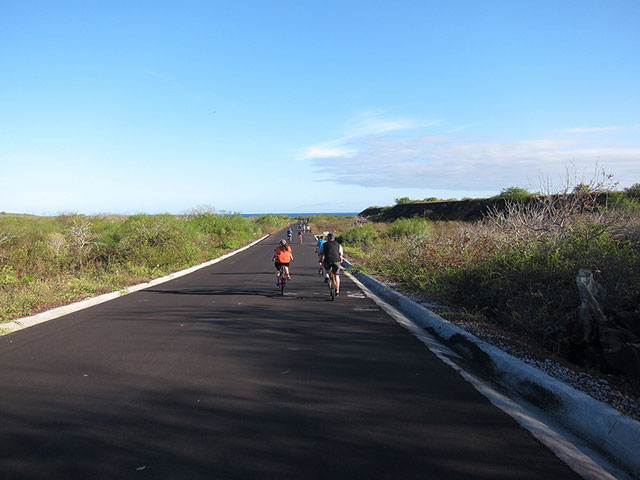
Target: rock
591	288
614	337
624	359
631	320
591	295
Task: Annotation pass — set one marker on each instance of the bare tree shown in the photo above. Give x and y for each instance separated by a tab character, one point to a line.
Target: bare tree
81	237
5	237
359	220
552	214
200	210
57	243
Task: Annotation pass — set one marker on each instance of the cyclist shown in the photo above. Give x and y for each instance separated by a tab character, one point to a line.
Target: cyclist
321	241
331	255
282	256
300	234
289	234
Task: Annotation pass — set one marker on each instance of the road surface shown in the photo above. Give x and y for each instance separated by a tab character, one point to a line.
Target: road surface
215	375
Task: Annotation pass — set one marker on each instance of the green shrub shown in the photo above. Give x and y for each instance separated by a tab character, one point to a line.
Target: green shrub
43	263
329	223
406	227
623	201
361	235
273	221
633	191
515	193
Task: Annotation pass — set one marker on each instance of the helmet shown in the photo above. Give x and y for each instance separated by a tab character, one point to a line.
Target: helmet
283	242
331	236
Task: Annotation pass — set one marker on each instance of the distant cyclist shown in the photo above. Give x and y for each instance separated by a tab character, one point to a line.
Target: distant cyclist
289	234
331	255
282	256
321	242
300	234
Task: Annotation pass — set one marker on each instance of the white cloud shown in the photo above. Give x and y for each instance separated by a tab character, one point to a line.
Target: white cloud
590	129
463	163
326	151
376	122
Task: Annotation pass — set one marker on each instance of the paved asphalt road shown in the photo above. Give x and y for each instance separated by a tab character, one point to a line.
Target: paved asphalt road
215	375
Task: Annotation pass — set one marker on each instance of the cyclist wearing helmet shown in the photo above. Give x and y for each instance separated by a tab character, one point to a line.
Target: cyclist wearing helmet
282	256
331	255
289	234
321	242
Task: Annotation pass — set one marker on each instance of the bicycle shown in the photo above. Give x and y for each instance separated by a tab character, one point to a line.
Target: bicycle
332	284
282	278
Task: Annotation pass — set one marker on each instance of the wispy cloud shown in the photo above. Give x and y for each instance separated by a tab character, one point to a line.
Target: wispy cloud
460	163
327	150
369	124
590	129
377	121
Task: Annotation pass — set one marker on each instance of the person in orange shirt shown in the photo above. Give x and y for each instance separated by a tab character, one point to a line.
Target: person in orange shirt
282	256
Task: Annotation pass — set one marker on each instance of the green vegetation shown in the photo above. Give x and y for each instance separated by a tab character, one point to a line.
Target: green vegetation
328	223
516	267
406	227
406	200
633	191
271	223
51	261
362	235
515	193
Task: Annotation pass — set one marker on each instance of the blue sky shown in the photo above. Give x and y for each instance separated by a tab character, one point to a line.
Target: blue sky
301	106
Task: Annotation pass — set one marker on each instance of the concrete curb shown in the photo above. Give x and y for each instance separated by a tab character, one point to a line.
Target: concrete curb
25	322
606	428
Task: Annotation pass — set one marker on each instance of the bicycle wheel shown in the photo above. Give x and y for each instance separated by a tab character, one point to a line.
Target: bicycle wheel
283	281
332	287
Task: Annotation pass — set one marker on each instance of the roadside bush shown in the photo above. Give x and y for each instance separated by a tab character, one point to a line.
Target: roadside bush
407	227
272	222
329	223
633	191
361	235
518	268
46	261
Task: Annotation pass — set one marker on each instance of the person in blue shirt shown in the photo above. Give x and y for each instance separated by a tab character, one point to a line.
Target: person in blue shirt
331	256
321	240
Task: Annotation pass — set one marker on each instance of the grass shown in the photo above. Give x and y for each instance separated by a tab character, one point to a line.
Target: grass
51	261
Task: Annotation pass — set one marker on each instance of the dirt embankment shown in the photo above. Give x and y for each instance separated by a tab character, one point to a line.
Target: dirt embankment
461	210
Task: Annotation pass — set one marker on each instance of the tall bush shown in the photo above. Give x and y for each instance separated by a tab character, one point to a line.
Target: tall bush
407	227
362	235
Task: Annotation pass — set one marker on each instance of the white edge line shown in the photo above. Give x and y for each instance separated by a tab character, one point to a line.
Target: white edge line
590	465
20	323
